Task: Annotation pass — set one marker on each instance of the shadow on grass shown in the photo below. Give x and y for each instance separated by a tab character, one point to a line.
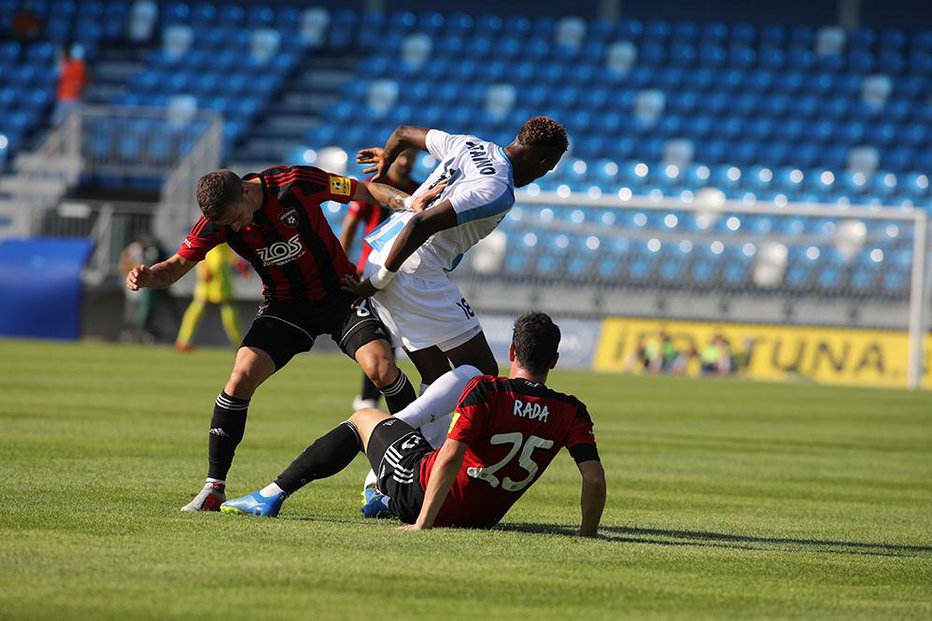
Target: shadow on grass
723	540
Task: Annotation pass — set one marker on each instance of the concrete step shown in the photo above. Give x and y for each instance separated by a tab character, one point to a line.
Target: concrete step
103	93
31	187
321	79
307	100
37	162
267	149
117	70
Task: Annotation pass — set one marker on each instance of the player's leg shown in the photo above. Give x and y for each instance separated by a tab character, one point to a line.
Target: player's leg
363	337
230	321
327	456
475	352
430	363
189	323
429	414
369	395
431	411
271	342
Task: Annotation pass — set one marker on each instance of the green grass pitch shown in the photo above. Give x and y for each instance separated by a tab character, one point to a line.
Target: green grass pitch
727	499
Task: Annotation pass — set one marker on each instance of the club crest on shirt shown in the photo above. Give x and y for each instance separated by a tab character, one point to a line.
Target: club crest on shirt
289	217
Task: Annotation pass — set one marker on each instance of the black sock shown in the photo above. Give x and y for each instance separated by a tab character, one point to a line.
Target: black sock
369	390
328	455
399	393
226	430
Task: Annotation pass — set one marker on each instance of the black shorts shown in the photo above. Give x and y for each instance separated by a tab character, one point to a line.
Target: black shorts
283	329
395	453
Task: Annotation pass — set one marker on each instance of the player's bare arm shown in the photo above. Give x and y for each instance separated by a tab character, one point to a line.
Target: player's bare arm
385	195
418	230
348	232
404	137
592	497
159	276
448	464
395	199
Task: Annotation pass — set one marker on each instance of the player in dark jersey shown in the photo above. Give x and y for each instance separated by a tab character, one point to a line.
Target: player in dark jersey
273	220
505	433
370	215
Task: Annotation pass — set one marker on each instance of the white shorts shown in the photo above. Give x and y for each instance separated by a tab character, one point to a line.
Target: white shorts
422	313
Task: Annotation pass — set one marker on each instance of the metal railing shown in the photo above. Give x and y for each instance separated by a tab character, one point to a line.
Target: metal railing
165	148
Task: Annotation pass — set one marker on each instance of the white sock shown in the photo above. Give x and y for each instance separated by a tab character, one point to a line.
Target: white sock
272	489
438	399
209	481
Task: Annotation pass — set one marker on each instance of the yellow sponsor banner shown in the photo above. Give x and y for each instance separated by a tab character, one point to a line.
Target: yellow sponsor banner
764	352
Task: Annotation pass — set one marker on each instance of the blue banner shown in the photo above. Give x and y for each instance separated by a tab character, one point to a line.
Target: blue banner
40	286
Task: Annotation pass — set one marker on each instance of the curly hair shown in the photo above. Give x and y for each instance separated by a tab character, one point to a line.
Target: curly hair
535	339
216	191
542	130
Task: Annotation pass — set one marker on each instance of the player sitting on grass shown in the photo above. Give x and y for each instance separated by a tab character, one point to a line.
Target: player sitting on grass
505	433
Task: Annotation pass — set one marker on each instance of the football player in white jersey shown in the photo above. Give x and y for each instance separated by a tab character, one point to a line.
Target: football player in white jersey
406	274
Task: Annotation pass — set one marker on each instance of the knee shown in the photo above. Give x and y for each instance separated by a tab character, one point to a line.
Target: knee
379	367
382	372
243	382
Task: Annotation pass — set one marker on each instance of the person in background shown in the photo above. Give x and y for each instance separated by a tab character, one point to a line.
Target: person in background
371	215
140	305
715	357
25	26
72	78
215	287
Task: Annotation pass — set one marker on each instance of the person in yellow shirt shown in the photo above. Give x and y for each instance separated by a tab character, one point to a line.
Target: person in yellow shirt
214	286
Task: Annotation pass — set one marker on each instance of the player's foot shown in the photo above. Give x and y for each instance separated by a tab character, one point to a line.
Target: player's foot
376	504
255	504
210	498
184	347
363	404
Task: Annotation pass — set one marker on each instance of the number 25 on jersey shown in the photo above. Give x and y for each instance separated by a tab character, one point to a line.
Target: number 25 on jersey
525	460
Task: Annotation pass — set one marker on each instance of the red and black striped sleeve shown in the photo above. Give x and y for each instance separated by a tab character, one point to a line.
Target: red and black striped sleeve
314	183
203	237
581	439
469	415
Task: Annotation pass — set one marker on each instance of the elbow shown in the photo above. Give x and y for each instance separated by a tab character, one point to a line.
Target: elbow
594	477
421	227
403	131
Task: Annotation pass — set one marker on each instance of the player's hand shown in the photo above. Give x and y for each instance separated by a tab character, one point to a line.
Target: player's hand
361	289
424	200
139	277
373	155
410	527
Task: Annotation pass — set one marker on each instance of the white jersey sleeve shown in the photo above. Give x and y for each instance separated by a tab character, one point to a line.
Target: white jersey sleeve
440	143
491	197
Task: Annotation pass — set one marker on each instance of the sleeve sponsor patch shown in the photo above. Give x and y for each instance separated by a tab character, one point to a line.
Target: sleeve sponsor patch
340	186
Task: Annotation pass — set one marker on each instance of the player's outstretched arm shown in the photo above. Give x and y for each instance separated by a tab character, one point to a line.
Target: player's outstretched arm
159	276
395	199
404	137
592	497
446	467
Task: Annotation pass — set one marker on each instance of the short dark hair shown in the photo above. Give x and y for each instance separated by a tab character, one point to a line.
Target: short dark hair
216	191
535	339
542	130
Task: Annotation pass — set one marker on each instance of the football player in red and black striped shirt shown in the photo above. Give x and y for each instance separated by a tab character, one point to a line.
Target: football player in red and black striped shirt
273	220
370	215
505	433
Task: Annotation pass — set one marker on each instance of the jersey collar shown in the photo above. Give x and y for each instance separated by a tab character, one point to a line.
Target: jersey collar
511	175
